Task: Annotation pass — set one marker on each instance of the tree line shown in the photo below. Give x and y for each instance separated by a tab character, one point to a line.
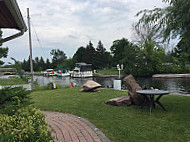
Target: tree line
140	58
98	57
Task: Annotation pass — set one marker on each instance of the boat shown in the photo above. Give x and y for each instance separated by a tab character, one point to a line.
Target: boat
62	72
82	70
49	72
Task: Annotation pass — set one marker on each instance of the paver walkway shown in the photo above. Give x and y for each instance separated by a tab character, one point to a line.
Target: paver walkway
70	128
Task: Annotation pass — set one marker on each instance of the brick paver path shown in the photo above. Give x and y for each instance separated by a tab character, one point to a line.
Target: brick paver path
70	128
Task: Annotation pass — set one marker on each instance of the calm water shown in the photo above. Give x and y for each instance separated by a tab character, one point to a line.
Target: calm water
174	85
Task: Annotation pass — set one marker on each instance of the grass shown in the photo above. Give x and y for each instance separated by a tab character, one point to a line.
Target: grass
11	81
122	124
109	71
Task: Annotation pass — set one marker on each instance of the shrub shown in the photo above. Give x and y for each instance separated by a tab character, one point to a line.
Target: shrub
7	93
26	125
12	99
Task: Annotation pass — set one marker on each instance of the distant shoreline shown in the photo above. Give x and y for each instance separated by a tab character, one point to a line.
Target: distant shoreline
171	75
104	75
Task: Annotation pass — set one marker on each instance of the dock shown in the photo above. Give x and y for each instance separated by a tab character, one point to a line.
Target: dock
171	75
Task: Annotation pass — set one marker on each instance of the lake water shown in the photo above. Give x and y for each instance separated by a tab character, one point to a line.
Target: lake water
173	85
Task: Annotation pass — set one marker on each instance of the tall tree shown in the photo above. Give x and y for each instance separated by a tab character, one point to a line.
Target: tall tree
89	57
3	51
48	64
117	50
58	57
79	55
42	64
102	56
36	65
25	66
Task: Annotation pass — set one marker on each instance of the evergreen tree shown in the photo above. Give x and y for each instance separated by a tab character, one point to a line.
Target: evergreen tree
42	64
24	65
89	57
102	57
80	54
48	64
36	64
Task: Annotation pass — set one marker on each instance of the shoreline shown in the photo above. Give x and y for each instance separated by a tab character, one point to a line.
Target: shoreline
105	75
171	75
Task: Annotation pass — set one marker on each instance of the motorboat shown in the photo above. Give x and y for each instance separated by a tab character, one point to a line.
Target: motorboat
82	70
62	72
49	72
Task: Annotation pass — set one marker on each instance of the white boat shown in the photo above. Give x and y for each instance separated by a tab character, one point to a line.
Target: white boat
82	70
49	72
62	74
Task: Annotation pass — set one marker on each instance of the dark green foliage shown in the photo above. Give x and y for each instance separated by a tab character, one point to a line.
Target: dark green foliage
38	64
125	52
98	57
25	65
150	59
58	57
12	99
18	120
41	64
47	64
103	57
6	94
79	55
89	57
117	49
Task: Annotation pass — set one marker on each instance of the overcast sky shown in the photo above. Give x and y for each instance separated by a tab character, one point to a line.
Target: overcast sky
69	24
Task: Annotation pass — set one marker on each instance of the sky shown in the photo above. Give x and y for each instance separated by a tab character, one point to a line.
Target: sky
70	24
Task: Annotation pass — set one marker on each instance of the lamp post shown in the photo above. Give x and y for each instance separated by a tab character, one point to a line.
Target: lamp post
119	68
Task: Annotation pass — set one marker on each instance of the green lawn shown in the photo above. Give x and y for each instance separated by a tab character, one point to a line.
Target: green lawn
122	124
11	81
109	71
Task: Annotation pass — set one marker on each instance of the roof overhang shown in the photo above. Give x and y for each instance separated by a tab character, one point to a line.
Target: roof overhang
11	18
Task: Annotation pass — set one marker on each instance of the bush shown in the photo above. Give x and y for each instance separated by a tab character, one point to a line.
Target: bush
8	93
27	125
18	120
12	99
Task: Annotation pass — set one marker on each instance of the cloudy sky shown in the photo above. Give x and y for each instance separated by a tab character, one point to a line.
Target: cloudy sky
69	24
